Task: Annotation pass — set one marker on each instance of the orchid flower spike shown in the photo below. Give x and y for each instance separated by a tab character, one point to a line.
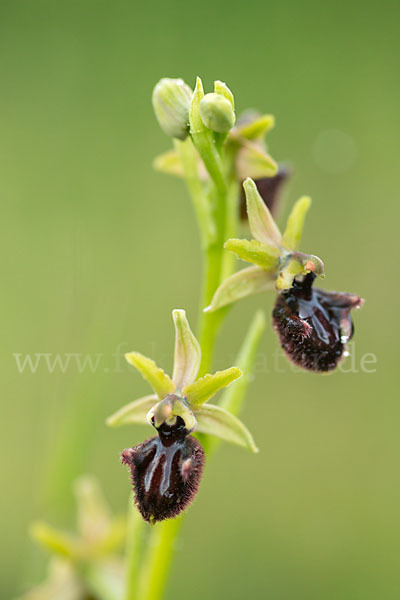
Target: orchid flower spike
275	256
85	561
313	325
166	470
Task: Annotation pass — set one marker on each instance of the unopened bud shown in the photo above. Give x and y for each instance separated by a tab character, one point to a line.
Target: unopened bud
171	102
217	113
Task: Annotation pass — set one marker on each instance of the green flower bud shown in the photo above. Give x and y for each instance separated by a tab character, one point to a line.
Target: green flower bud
171	102
217	113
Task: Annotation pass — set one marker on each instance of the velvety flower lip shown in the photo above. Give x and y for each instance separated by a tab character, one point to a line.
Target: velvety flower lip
314	325
166	471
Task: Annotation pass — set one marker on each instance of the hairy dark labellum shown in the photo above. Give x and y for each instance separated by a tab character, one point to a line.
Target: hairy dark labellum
166	471
269	188
314	325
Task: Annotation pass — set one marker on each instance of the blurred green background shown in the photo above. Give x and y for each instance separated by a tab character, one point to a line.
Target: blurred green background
97	249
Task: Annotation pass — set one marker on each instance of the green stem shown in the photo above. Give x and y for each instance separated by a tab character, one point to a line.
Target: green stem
189	160
233	397
154	574
214	218
209	323
231	226
133	546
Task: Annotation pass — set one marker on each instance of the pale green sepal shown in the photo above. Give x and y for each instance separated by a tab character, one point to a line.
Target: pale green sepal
262	224
253	251
214	420
205	388
295	223
246	282
169	163
168	409
221	88
187	351
203	140
217	113
134	412
252	161
57	542
161	383
258	128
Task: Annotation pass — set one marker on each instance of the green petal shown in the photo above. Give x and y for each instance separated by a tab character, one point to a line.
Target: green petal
134	412
266	257
214	420
246	282
262	225
253	161
57	542
161	383
170	163
295	223
258	128
205	388
187	351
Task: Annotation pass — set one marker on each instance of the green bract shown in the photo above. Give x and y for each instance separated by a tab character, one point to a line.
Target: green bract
275	255
184	395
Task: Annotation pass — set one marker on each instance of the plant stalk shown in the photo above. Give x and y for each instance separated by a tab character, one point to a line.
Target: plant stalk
215	216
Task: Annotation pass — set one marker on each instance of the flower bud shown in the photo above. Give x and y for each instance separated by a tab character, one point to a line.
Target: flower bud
217	113
171	102
166	471
314	325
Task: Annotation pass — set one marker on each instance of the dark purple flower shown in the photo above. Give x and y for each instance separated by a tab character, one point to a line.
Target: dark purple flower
166	471
314	325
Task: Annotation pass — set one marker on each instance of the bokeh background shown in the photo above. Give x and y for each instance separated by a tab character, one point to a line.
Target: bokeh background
97	249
